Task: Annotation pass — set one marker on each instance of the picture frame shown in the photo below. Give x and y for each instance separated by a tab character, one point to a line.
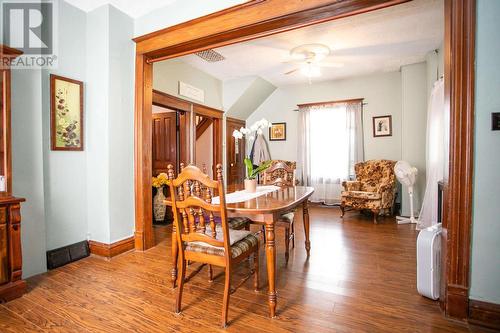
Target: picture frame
382	126
66	114
277	132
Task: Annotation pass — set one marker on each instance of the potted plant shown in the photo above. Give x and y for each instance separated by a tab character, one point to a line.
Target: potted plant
252	173
159	207
250	133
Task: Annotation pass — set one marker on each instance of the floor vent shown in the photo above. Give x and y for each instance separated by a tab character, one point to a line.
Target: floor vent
66	254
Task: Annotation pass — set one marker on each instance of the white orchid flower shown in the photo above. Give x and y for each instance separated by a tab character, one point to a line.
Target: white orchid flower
259	131
237	134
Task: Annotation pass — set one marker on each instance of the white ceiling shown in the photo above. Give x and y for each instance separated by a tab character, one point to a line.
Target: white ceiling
379	41
133	8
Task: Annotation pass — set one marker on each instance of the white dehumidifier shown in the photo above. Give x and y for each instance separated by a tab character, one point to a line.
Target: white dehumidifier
429	261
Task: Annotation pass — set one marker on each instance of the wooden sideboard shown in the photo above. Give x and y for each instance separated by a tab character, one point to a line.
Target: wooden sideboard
11	283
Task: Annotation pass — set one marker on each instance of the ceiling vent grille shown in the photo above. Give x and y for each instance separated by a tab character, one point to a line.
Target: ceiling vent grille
210	55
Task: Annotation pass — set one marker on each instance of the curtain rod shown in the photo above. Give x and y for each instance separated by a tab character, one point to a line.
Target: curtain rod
332	102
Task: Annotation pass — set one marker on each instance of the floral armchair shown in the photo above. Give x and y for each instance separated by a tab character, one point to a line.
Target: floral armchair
374	188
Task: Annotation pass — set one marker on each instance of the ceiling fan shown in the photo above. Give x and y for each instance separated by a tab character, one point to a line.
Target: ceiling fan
310	59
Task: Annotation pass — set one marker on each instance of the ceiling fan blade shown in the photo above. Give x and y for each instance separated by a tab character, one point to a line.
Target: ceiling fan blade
291	72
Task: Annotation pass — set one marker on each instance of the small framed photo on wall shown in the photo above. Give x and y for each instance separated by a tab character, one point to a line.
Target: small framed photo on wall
66	113
382	126
277	132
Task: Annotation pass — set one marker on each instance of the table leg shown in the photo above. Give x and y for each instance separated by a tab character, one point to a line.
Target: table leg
271	268
305	211
175	253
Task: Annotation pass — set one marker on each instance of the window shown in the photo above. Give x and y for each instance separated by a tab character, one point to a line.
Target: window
330	144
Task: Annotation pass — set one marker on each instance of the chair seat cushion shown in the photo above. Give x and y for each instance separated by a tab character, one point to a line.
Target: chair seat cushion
362	195
287	218
239	222
237	248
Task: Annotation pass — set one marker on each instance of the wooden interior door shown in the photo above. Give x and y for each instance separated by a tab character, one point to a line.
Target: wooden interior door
164	141
235	152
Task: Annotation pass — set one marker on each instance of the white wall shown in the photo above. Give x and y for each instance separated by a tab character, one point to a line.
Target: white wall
178	11
121	125
27	166
97	119
65	173
168	73
382	93
249	100
485	265
413	129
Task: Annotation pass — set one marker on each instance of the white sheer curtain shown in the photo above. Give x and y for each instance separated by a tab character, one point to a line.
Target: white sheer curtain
437	147
330	143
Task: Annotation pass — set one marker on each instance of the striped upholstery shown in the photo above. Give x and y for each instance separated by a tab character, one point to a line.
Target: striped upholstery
237	248
238	222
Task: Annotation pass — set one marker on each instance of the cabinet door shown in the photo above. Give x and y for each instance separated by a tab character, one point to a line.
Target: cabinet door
15	256
4	258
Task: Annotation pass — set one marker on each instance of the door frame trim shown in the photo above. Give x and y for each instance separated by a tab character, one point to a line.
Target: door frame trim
259	18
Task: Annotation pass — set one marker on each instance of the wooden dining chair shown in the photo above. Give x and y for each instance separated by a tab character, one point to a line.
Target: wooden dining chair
282	173
200	238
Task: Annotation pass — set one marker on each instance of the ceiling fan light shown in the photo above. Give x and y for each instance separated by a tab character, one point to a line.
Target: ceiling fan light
310	70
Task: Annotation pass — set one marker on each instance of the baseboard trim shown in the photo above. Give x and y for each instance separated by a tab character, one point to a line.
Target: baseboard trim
457	302
484	314
113	249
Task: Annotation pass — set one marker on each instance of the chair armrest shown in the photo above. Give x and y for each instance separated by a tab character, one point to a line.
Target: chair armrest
385	187
351	185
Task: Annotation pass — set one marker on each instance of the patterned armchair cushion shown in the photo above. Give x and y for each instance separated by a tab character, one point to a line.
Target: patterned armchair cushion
280	173
358	203
352	185
362	195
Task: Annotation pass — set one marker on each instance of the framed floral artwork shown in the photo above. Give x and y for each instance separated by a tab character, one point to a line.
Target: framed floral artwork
277	132
382	126
66	113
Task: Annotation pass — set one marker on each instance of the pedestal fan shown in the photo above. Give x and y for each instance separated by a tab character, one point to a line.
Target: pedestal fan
407	176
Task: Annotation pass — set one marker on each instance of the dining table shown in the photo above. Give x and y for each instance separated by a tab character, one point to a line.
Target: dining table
266	210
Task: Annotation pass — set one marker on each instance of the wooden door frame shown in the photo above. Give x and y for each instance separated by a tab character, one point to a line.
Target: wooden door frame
259	18
184	106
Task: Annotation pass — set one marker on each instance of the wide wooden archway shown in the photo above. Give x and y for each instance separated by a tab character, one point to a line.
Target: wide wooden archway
260	18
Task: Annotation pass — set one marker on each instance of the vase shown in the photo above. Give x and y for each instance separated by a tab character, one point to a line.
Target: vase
159	207
250	185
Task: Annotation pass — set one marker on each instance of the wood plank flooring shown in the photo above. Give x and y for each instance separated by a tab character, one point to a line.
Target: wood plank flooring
360	277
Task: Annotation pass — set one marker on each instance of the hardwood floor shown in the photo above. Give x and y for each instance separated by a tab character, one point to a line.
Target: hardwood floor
360	278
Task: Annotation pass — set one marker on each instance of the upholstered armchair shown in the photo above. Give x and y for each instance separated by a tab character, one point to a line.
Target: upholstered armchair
374	188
